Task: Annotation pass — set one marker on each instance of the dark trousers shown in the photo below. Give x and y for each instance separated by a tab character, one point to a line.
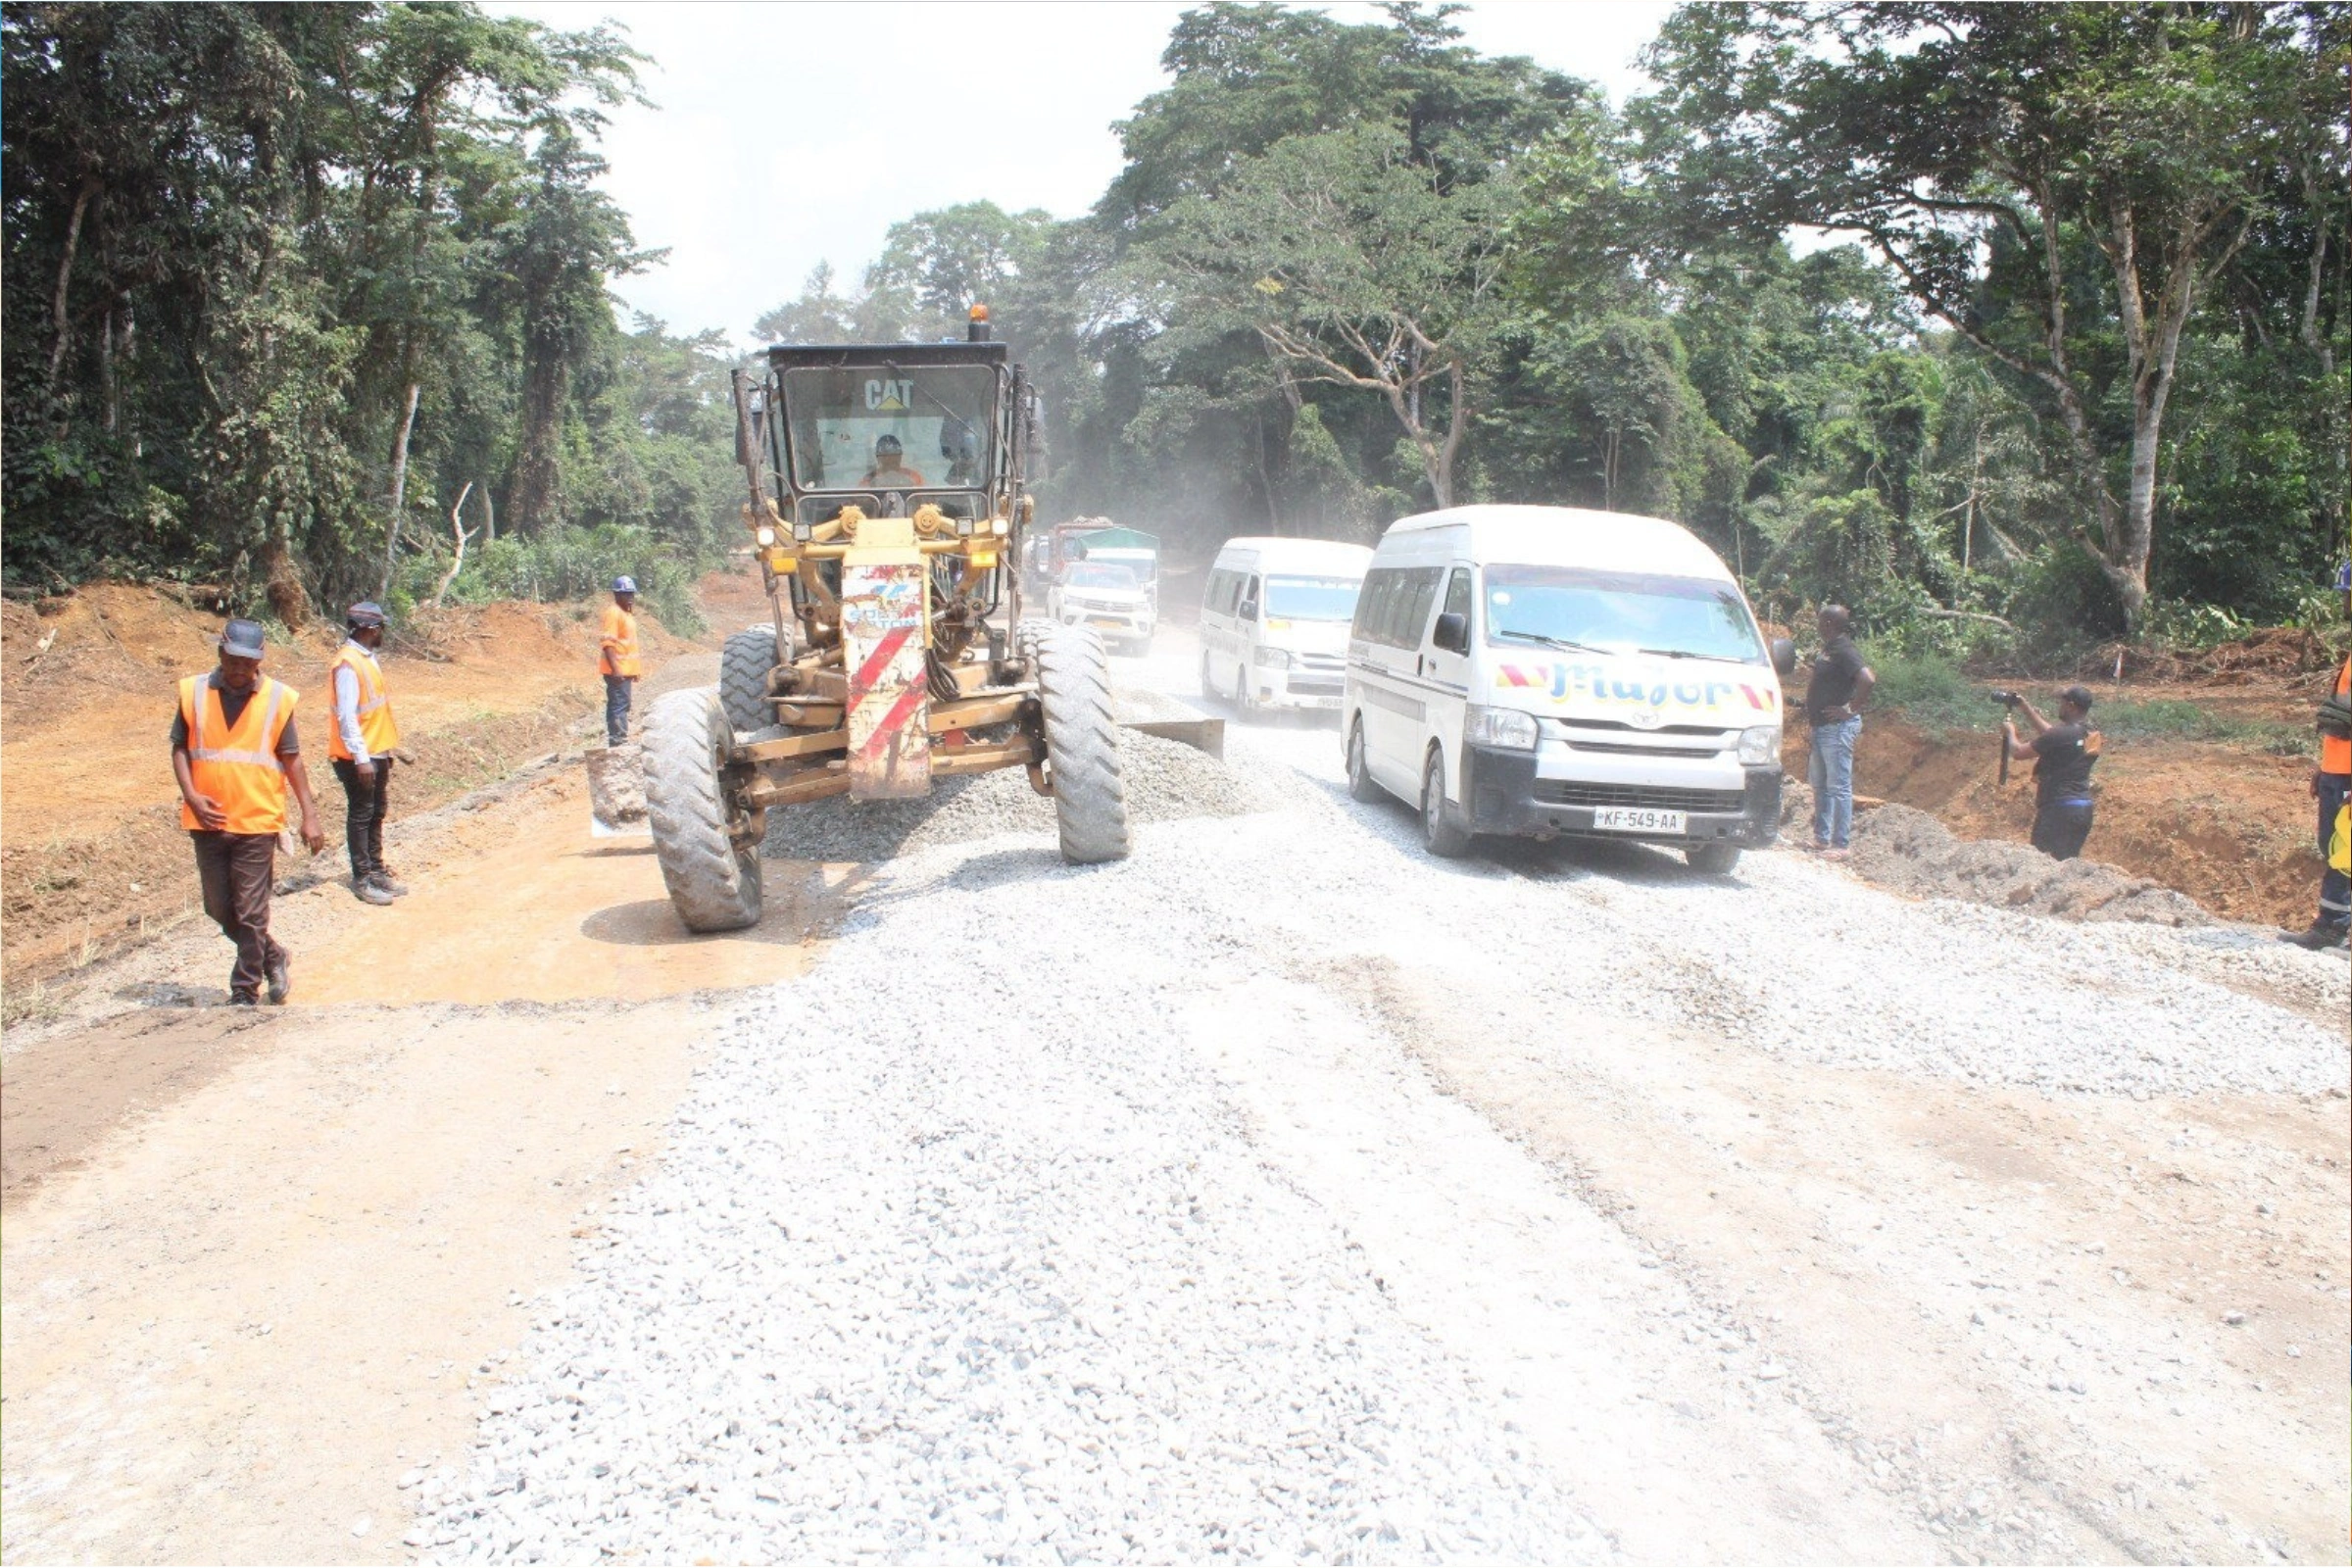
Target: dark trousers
363	807
2060	827
236	871
2335	889
618	690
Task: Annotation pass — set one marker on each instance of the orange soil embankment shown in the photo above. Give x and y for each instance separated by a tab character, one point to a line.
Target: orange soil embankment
2231	827
93	853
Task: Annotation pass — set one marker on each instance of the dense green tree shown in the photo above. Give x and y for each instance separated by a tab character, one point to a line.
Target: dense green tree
2060	184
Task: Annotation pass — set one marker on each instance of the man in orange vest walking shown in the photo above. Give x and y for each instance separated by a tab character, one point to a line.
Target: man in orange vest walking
235	754
361	746
2331	787
617	658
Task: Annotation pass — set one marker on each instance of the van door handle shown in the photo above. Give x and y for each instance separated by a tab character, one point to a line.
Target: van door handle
1418	661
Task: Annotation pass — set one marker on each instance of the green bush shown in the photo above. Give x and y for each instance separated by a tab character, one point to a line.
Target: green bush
1929	687
569	563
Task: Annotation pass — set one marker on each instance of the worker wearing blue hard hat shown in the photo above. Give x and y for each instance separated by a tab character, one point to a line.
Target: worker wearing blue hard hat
618	660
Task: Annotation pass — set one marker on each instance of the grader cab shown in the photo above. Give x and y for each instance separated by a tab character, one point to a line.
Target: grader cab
887	511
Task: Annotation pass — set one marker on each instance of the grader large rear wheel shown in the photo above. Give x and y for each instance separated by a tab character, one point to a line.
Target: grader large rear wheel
1082	744
713	885
742	669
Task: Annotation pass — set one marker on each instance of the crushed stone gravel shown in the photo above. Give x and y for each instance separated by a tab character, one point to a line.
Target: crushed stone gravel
924	1278
1166	781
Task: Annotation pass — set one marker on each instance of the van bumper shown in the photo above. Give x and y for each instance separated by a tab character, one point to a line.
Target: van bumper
1501	795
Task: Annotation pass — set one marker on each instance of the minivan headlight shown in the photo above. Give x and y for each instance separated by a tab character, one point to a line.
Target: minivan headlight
1760	743
1503	726
1272	657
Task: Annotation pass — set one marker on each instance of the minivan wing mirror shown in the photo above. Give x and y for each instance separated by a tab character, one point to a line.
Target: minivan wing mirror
1451	632
1784	655
1248	609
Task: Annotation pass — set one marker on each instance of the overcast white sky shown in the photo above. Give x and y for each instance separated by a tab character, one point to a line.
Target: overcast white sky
789	133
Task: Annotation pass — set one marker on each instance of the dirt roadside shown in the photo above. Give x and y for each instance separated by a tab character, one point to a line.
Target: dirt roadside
95	858
254	1261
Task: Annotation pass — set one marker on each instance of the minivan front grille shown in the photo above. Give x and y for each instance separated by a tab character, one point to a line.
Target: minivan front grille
1646	797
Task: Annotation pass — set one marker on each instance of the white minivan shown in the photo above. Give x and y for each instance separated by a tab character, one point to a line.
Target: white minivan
1548	670
1274	621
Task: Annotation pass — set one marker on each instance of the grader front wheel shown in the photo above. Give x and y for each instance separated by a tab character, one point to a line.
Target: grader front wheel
1082	744
713	885
742	669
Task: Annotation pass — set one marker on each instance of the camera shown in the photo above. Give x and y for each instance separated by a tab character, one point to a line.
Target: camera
2007	699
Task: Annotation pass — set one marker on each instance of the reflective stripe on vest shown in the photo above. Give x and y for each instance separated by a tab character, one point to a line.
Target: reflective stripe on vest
379	731
236	765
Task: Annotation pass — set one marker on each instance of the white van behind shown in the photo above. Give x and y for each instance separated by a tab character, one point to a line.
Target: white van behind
1274	620
1547	671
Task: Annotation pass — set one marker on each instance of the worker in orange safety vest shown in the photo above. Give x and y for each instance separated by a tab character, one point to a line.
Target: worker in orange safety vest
235	754
362	745
617	658
2331	787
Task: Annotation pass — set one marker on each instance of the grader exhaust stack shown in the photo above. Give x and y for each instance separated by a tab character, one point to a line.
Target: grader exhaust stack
888	501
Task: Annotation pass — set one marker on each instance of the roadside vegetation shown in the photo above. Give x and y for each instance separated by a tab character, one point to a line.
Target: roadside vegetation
2019	328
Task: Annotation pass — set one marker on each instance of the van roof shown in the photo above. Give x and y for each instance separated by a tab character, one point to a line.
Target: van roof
1608	540
1305	555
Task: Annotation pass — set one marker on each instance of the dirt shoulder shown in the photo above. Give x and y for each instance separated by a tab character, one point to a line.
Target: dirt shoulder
2230	825
94	858
254	1260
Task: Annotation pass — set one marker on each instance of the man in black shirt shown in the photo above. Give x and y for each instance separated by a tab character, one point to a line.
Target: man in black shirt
1834	699
2063	754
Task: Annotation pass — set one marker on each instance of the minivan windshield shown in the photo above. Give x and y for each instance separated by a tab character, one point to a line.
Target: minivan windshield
1619	613
1311	597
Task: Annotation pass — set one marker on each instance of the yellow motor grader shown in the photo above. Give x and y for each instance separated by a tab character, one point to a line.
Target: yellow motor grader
887	510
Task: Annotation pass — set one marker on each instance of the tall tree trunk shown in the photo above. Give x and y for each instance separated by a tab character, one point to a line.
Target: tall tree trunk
290	601
64	280
489	519
546	383
400	489
106	370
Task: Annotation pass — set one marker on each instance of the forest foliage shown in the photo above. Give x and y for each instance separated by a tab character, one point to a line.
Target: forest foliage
2024	321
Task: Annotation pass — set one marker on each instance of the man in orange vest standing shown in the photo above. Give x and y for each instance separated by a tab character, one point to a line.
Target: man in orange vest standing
2332	786
617	658
361	746
235	753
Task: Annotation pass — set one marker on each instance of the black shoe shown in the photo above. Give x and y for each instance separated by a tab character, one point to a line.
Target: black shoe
280	982
2320	937
243	999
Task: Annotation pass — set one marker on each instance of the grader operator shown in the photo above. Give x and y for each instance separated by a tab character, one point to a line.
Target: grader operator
887	509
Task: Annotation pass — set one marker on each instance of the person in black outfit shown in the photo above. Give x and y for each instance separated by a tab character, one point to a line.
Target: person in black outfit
2063	754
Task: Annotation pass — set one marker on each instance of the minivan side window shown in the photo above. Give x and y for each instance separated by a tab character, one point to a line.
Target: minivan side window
1414	602
1457	594
1372	602
1222	585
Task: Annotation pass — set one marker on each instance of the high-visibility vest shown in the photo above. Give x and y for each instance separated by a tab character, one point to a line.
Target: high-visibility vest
618	652
2335	751
377	733
236	765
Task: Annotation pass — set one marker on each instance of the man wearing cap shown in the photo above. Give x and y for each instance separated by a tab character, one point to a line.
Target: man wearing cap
617	658
361	747
2063	754
1839	688
2331	787
887	473
234	752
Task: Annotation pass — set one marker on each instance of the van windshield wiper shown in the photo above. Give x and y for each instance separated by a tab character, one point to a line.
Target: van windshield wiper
1549	642
1675	652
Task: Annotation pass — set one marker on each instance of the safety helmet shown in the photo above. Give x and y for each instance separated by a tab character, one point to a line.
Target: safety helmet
887	442
624	585
367	612
242	639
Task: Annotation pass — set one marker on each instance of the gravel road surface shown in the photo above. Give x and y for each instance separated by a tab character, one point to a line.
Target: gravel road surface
1287	1194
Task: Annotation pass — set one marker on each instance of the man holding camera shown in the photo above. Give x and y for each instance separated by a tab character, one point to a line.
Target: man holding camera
2063	754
